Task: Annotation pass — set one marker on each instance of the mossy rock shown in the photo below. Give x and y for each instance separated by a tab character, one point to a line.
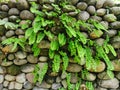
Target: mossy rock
13	70
2	30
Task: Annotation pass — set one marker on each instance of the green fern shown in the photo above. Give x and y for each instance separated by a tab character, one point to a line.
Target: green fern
89	85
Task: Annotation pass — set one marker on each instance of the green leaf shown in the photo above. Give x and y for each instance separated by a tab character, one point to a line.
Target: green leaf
72	48
82	37
28	32
56	63
62	39
14	46
112	49
54	45
2	22
32	38
89	85
35	49
49	34
40	36
37	27
51	54
10	25
110	74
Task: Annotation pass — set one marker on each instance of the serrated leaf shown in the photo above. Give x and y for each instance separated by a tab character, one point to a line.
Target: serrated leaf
62	39
37	27
28	32
14	46
51	54
112	49
110	74
56	63
10	25
82	37
54	45
49	34
32	38
40	36
35	49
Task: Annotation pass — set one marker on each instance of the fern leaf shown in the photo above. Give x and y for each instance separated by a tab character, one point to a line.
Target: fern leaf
32	38
82	38
56	63
51	54
54	45
62	39
36	27
40	36
112	49
110	74
49	34
28	32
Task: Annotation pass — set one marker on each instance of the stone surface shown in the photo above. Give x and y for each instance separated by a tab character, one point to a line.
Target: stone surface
2	70
28	85
56	86
21	78
101	12
3	14
90	77
13	11
115	25
26	15
103	76
27	68
74	78
91	10
30	77
13	18
5	64
21	55
19	32
83	15
43	85
22	4
74	68
44	44
1	78
115	10
43	58
82	6
116	64
4	8
11	85
96	34
9	77
11	57
110	18
5	84
100	3
32	59
37	88
64	83
12	3
112	83
10	33
111	33
18	86
2	30
109	3
20	62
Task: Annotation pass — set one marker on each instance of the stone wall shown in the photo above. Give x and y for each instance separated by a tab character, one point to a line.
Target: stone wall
16	66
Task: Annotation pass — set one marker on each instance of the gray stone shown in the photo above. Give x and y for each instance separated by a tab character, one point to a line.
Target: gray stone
20	62
116	64
43	58
69	8
19	32
10	33
30	77
100	41
56	86
4	8
100	88
12	3
44	44
21	78
43	85
13	11
115	25
118	75
73	1
109	3
74	78
5	84
91	10
2	70
74	68
83	15
28	85
32	59
21	54
11	56
82	6
1	78
1	86
115	10
101	12
64	83
11	85
90	77
110	18
38	88
105	24
112	83
22	4
26	15
47	7
97	18
58	79
9	77
90	2
63	75
18	86
46	1
100	3
111	33
13	18
5	64
27	68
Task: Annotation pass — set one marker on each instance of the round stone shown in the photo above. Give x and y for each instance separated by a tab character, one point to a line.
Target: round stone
13	18
4	8
74	68
21	78
20	62
5	64
82	6
27	68
110	18
30	77
22	4
26	15
32	59
11	56
19	32
101	12
9	77
2	70
10	33
11	85
13	70
13	11
18	86
56	86
90	77
20	54
28	85
91	10
43	58
103	76
5	84
83	15
1	78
